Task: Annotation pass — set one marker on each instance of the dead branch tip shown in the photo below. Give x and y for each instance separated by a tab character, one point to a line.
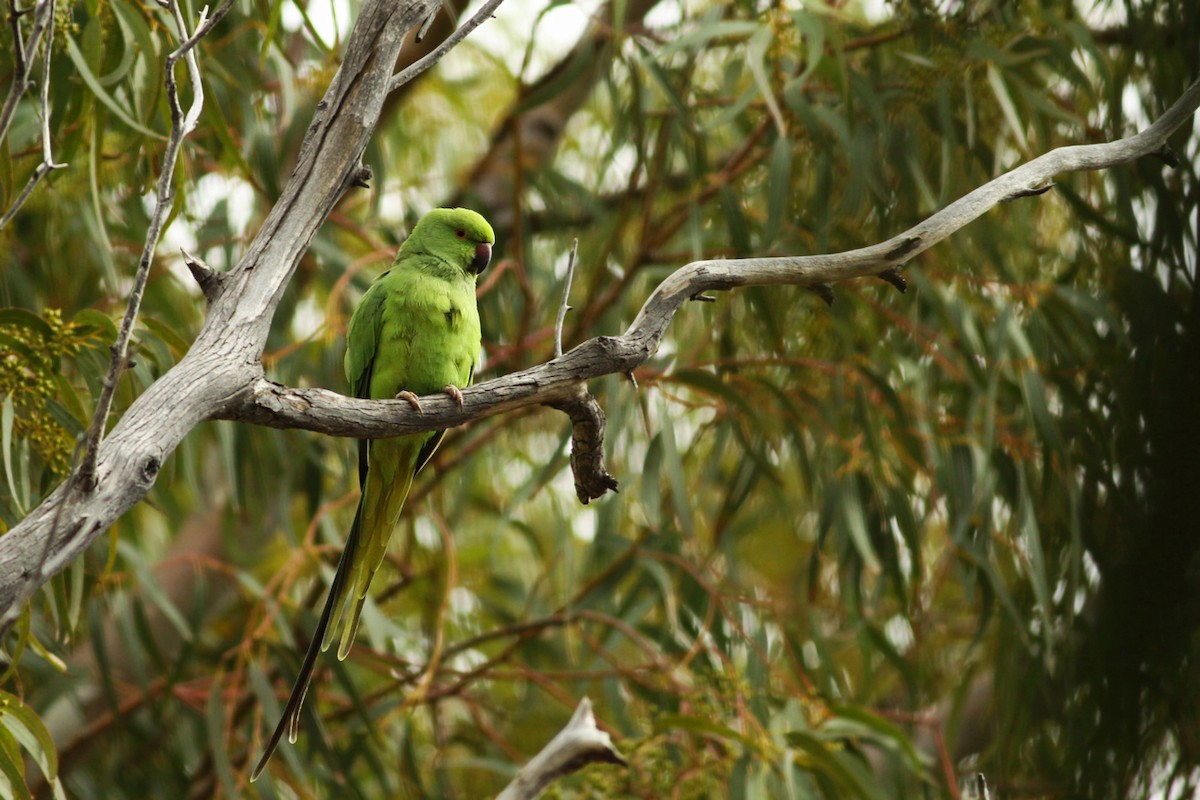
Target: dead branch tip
206	277
592	480
1167	155
893	276
823	291
362	177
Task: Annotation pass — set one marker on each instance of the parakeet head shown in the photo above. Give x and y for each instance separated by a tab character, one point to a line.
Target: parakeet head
459	236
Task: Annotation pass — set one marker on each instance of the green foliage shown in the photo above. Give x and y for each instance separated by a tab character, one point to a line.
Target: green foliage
42	410
859	551
21	729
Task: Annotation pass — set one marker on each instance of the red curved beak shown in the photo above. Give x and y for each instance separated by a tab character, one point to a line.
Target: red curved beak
483	257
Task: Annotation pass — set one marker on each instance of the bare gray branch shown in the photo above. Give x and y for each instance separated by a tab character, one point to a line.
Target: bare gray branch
565	306
578	744
44	16
221	376
181	126
557	382
225	360
407	74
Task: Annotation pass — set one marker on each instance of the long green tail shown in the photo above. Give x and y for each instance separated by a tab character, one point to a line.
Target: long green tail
290	721
384	489
383	494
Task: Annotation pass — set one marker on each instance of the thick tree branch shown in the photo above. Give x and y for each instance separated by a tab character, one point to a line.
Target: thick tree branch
221	376
181	126
225	359
558	382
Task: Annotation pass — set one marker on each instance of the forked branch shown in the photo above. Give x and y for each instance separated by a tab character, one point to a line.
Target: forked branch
407	74
181	125
221	375
558	382
43	21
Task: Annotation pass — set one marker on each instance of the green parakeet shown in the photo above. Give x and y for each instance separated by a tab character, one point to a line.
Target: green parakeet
416	332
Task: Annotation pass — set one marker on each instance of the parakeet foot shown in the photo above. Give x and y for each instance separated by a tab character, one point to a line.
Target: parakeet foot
411	399
455	395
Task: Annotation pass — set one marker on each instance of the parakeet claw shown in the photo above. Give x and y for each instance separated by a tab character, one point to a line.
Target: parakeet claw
455	395
411	399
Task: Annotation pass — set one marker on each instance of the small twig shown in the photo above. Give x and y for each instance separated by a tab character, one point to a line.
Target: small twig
20	79
974	787
47	154
181	125
578	744
205	25
563	308
42	171
413	70
362	177
45	15
1169	157
186	123
14	21
428	23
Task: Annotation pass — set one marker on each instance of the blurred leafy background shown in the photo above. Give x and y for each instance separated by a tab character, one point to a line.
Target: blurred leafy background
859	551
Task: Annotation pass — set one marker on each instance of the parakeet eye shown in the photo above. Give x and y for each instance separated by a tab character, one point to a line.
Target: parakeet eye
460	233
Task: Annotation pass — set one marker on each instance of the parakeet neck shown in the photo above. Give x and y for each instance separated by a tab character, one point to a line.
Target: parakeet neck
417	256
